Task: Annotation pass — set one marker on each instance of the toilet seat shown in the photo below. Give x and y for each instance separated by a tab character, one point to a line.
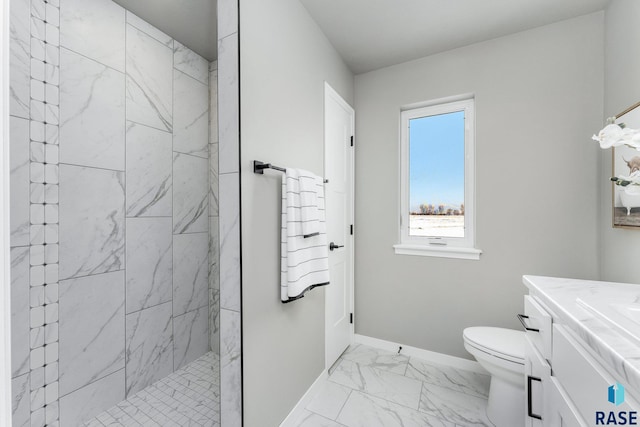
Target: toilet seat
503	343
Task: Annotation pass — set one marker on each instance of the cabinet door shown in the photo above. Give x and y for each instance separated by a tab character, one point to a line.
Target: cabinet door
561	413
537	322
537	374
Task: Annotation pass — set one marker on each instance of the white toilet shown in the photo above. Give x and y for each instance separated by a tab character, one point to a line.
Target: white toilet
501	352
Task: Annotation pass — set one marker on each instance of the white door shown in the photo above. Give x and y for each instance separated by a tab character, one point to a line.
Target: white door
338	170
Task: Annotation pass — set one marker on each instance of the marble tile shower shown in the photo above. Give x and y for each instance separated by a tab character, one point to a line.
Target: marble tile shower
114	232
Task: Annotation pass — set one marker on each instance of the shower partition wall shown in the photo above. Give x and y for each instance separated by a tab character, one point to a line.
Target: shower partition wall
114	225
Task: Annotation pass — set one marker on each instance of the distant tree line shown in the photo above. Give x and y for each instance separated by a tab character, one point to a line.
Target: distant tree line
429	209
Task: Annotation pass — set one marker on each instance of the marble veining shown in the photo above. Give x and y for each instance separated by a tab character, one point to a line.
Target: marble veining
230	368
19	182
190	115
149	352
472	383
149	80
190	272
95	29
461	408
20	408
213	180
92	128
230	242
228	124
19	311
149	29
190	194
19	58
91	221
92	329
190	63
375	358
190	336
148	171
149	273
560	296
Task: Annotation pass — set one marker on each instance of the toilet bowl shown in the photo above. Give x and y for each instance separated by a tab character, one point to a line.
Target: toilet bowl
501	352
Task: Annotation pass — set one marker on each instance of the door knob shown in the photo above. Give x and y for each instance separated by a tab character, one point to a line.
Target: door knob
333	246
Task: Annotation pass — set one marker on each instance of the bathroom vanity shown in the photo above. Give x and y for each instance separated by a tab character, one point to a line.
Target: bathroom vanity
582	363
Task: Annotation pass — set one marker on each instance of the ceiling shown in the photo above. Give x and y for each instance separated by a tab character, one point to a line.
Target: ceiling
371	34
192	22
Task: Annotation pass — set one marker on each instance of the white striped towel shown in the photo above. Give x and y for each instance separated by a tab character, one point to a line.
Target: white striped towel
304	260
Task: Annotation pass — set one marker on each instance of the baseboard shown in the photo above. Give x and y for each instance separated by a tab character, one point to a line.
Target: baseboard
296	412
430	356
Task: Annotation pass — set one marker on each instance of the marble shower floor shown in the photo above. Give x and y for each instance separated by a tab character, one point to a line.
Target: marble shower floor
189	397
375	388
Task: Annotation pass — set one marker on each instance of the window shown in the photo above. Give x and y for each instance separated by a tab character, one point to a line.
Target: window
437	180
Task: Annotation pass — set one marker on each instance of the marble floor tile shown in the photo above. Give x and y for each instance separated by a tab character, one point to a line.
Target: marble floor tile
311	419
149	356
375	382
454	406
362	410
92	329
95	29
376	358
329	400
468	382
188	397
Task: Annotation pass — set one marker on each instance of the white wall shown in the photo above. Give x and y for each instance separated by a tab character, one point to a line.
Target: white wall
285	59
619	248
538	100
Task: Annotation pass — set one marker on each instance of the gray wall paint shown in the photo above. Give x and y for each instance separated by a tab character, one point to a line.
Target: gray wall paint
619	248
538	100
285	60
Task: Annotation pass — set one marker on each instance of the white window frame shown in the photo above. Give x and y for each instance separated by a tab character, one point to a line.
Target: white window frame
447	247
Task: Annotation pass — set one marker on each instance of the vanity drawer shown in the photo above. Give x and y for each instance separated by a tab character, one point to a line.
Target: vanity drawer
583	378
537	323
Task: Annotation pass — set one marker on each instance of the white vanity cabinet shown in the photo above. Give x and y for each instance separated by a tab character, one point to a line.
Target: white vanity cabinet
572	359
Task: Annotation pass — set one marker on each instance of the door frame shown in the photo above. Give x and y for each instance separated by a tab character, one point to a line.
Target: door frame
329	92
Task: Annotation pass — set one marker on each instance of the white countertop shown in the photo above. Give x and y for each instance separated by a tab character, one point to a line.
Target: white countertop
620	353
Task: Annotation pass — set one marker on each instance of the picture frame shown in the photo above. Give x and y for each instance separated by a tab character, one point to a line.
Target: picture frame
626	200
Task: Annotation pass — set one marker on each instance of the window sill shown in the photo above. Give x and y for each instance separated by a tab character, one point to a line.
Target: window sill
438	251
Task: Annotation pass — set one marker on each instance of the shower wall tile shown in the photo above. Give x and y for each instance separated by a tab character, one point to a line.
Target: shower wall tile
190	63
149	346
190	336
19	58
149	29
91	221
230	241
190	191
214	253
89	401
149	80
190	271
214	320
230	368
20	311
213	106
20	407
228	116
95	29
92	127
149	163
92	329
227	17
19	181
190	115
213	180
149	262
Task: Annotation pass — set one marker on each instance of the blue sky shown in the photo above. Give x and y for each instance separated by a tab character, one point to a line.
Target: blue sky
436	154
